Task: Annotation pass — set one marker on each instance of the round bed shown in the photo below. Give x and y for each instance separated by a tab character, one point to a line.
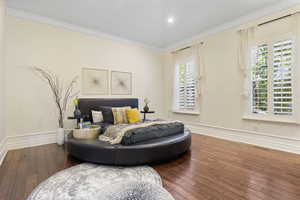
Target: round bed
152	151
147	152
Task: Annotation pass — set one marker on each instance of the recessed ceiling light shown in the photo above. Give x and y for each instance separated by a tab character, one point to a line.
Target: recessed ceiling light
170	20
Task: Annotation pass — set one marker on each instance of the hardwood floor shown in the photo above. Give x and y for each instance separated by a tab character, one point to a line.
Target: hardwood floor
214	169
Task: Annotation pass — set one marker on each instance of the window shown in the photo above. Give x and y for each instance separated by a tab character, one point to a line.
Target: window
282	78
272	78
188	71
260	80
186	86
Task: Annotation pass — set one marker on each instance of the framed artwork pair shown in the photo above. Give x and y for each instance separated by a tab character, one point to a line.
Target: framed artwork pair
96	82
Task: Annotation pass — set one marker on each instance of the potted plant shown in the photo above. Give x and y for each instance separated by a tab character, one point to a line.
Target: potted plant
61	95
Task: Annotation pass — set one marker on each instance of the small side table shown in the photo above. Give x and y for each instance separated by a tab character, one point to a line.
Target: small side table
149	112
74	118
77	118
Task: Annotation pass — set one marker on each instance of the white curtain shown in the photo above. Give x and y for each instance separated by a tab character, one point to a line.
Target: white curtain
296	33
296	23
195	52
246	42
199	52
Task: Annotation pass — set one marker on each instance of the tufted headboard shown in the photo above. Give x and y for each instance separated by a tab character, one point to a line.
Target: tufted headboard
87	104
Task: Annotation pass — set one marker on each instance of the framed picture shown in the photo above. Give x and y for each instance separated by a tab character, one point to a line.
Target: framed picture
121	83
94	81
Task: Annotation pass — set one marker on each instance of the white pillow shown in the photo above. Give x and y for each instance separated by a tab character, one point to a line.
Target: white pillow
97	116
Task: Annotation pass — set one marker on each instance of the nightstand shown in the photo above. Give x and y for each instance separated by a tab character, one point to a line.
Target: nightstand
149	112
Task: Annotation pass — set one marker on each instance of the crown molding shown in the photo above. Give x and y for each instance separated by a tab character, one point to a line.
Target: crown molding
46	20
235	23
242	20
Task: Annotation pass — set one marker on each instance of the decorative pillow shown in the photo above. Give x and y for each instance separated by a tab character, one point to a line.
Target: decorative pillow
97	116
120	116
107	114
133	115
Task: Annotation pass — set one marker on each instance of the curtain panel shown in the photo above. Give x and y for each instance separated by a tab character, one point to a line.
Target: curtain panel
296	71
246	42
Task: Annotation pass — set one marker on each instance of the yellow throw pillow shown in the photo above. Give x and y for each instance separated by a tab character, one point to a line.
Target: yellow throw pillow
133	116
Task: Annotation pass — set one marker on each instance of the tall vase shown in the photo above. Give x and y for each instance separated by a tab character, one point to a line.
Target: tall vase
146	108
60	136
77	113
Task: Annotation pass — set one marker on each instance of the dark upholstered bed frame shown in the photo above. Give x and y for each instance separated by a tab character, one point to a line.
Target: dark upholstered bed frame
87	105
152	151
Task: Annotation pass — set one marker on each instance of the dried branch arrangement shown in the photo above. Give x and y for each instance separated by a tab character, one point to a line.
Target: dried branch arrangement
61	94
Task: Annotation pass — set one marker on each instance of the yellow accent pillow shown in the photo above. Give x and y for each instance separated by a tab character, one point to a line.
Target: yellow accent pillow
133	116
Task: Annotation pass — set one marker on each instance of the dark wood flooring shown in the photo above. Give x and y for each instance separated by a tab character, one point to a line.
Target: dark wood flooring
214	169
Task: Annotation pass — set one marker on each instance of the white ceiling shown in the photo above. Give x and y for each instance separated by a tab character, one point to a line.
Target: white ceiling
144	21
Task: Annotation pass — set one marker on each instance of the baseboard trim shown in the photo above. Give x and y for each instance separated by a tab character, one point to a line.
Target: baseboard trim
3	150
286	144
30	140
27	140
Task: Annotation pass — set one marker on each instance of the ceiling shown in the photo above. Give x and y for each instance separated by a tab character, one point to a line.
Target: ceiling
145	21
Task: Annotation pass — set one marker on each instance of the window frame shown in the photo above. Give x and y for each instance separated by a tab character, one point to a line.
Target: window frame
176	107
269	115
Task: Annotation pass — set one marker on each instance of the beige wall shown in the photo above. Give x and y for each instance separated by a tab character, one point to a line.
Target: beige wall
221	102
29	104
2	18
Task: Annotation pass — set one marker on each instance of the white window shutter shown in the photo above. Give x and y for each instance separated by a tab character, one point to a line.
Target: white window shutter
282	78
260	79
186	89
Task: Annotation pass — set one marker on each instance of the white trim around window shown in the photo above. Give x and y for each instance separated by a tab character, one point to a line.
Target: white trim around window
185	112
268	112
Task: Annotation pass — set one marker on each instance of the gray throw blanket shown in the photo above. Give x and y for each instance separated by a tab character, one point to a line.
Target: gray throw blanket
115	133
